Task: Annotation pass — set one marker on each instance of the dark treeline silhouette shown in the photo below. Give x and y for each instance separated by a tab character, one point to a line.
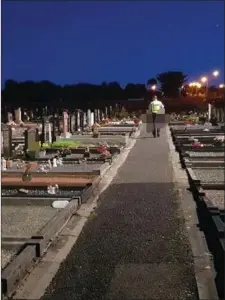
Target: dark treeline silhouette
30	94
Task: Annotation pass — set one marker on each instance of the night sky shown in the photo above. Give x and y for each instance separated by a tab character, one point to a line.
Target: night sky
70	42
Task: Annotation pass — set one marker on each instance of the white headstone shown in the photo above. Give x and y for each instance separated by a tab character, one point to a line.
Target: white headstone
18	115
92	119
49	133
59	161
49	164
3	164
54	163
89	117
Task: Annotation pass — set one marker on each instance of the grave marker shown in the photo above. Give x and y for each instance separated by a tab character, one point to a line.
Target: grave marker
65	123
18	115
7	141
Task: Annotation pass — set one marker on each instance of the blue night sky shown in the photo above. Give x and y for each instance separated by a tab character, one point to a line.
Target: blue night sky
70	42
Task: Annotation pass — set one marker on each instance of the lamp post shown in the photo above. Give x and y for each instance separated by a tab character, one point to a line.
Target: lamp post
205	81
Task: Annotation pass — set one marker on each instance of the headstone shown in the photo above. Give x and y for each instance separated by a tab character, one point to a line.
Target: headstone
65	123
49	164
18	118
92	119
48	137
106	112
43	130
10	117
100	115
89	118
82	120
7	141
54	127
54	163
59	161
95	115
85	119
78	119
33	140
73	123
3	164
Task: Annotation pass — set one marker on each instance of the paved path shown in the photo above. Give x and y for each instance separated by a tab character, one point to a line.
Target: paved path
134	248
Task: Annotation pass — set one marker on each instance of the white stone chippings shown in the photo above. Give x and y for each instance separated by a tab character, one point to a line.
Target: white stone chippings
21	221
7	256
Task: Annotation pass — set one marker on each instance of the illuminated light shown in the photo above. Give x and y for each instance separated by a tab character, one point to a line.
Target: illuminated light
215	73
221	86
153	87
204	79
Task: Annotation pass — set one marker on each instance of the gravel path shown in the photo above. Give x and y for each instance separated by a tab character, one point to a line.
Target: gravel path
133	247
217	197
25	221
210	175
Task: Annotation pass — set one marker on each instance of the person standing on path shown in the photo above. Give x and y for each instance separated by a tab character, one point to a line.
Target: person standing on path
156	107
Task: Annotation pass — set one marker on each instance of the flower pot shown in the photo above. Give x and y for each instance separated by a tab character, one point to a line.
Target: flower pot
27	177
9	163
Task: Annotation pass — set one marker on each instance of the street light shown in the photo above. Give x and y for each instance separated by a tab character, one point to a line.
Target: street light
221	86
204	79
216	73
153	87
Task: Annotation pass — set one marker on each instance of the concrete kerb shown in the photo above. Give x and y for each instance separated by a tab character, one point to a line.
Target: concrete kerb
38	244
17	269
45	236
203	266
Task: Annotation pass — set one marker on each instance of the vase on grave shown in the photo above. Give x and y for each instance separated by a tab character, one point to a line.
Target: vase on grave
9	164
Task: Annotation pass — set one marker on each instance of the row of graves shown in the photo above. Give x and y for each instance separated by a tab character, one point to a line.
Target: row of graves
201	150
45	181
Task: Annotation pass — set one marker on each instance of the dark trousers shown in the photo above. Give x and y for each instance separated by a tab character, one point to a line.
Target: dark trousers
156	129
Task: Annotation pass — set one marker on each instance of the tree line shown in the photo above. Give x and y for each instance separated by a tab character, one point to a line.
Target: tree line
30	94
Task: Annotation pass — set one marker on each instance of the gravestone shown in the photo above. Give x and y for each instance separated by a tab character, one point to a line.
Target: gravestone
92	119
48	137
106	112
6	141
89	118
65	123
18	115
82	120
85	119
54	124
95	116
73	123
78	119
33	140
10	117
43	129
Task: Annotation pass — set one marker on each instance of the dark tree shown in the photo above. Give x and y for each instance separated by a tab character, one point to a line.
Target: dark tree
152	82
171	83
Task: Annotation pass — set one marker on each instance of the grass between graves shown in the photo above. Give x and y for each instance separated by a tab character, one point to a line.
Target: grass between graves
62	144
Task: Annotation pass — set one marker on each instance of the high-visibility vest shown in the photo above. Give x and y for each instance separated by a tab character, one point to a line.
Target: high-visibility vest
156	107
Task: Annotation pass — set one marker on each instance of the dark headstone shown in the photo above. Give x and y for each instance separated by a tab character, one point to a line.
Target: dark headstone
7	140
